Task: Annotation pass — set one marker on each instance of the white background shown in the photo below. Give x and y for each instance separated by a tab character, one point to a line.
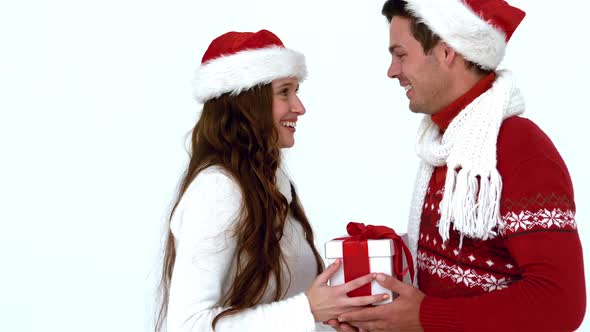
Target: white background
95	103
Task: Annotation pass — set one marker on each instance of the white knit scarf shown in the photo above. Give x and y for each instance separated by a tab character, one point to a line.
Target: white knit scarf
473	186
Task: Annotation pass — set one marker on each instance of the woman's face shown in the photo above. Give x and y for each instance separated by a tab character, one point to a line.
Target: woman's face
286	109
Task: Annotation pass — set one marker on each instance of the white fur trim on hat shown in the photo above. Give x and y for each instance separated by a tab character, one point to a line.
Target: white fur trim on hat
467	33
245	69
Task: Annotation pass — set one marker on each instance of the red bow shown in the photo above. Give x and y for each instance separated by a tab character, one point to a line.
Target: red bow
356	251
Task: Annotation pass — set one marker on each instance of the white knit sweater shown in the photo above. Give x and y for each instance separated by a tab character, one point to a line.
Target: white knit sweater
206	259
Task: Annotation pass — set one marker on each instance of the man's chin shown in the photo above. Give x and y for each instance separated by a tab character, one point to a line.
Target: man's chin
414	108
418	109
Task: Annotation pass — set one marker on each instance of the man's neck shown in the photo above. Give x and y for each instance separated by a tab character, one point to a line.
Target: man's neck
465	82
459	84
444	117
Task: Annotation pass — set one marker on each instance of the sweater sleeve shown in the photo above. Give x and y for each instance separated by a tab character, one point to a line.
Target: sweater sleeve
550	296
205	254
540	233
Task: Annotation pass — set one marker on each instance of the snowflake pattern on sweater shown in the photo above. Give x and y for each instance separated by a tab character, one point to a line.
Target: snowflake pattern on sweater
537	196
482	266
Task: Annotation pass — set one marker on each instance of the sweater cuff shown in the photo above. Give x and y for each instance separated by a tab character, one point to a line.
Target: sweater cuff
439	315
307	321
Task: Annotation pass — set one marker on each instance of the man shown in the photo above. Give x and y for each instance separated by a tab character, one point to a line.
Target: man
492	222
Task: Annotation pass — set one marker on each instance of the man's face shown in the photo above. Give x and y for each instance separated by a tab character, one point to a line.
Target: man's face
421	75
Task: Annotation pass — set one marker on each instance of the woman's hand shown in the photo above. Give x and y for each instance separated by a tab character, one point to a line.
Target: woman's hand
327	302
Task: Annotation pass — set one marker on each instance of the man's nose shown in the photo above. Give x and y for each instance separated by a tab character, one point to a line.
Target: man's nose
394	69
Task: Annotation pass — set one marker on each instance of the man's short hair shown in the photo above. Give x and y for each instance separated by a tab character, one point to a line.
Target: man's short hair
421	32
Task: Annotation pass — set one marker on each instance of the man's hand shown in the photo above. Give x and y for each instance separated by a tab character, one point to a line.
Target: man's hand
342	327
402	314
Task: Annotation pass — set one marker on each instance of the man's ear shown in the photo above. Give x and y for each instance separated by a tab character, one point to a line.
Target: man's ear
446	54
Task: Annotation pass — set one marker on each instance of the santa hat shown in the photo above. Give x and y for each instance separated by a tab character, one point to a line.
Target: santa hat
238	61
477	29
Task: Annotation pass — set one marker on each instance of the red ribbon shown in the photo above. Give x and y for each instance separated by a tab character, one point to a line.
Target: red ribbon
356	253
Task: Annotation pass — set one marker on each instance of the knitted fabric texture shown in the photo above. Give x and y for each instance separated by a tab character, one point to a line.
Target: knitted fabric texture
473	186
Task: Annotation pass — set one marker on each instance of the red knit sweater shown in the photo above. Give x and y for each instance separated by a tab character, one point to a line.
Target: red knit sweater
528	278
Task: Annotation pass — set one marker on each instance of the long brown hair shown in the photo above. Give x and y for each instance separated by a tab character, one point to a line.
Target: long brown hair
238	134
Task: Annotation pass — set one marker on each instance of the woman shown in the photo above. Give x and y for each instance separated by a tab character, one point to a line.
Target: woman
240	254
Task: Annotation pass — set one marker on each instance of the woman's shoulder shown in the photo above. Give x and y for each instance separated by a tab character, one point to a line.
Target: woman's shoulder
212	202
215	180
213	188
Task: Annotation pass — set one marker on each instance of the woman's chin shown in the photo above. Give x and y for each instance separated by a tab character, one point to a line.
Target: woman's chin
285	144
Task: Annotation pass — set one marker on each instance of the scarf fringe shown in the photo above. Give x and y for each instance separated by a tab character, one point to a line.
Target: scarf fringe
472	203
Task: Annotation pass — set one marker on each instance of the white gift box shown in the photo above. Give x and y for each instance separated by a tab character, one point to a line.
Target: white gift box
380	261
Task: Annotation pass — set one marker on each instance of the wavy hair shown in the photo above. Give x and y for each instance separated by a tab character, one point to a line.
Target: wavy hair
238	134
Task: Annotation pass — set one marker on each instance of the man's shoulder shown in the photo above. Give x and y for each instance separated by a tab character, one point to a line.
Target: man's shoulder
521	140
523	136
520	128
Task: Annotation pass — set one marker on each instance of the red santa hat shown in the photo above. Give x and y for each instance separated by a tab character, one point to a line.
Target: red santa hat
238	61
477	29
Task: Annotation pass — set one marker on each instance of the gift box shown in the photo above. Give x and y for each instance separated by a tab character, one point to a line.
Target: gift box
369	249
